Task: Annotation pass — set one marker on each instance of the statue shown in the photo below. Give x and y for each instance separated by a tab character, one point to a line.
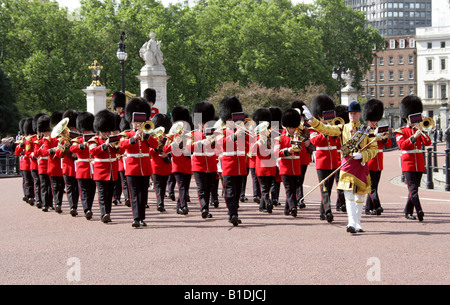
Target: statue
151	53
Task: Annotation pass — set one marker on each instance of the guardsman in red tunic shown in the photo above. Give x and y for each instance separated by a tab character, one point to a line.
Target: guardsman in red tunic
288	154
410	140
25	166
84	162
34	162
138	169
150	97
54	163
202	148
372	113
181	156
265	163
68	163
161	162
105	161
233	146
44	131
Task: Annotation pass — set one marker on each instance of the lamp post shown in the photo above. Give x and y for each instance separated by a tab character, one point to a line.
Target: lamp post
122	56
340	73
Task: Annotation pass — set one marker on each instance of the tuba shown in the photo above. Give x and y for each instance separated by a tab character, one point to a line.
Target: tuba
61	130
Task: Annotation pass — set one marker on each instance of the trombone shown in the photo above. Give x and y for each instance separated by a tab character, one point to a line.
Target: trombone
427	124
241	126
337	121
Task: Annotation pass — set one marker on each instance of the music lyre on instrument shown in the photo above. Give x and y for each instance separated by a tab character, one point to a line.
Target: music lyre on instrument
425	124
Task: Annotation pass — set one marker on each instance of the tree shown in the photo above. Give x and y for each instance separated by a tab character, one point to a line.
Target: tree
9	115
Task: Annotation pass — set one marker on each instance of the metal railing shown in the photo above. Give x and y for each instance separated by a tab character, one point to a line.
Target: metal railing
9	164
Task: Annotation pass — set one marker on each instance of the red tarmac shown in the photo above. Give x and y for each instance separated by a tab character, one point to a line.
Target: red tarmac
50	248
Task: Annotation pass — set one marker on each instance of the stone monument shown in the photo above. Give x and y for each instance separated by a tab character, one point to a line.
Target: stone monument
153	74
96	92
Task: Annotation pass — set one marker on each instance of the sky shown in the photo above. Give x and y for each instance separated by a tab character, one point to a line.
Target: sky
73	4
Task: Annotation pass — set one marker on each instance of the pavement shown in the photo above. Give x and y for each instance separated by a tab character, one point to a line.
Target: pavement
40	248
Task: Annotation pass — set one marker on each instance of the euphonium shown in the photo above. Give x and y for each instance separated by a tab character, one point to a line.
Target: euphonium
427	124
61	130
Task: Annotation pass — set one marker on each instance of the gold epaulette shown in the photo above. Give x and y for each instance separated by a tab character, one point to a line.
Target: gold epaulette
93	140
398	131
124	135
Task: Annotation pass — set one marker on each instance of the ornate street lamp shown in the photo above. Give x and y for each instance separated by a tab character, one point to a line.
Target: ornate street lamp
340	73
122	56
96	70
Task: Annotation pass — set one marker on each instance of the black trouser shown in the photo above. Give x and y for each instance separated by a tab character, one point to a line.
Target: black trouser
37	185
256	187
105	194
290	183
413	179
301	179
117	189
123	180
340	200
58	189
265	183
244	184
325	189
232	188
138	187
171	183
183	181
87	189
28	189
46	190
215	189
204	184
275	192
73	192
372	200
160	182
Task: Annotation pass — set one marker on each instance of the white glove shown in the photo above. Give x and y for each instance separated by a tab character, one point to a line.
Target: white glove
307	113
357	156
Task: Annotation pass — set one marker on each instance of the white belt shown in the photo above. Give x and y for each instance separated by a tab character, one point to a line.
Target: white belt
380	150
105	160
326	147
84	160
210	154
233	153
43	158
290	157
415	151
138	155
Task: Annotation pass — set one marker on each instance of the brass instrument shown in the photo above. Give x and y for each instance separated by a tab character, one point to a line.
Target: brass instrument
337	121
61	130
427	124
147	127
176	129
296	142
158	133
241	125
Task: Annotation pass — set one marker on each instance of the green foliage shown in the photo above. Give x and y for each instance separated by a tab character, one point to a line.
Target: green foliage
276	50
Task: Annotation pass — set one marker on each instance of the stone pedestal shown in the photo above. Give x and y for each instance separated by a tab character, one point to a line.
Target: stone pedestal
444	114
155	77
96	98
349	95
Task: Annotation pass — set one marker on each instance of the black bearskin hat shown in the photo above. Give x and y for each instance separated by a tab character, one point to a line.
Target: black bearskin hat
28	126
136	104
342	112
411	104
119	99
43	123
124	125
150	95
55	118
321	103
72	115
228	106
373	110
104	121
21	122
35	119
162	120
206	109
117	120
277	114
299	105
291	118
261	115
180	113
85	121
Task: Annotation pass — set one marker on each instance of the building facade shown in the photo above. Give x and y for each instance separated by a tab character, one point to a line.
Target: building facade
395	17
392	75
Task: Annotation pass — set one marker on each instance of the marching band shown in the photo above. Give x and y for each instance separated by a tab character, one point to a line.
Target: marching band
128	150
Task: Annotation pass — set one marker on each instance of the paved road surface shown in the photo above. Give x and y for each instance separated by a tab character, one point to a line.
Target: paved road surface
51	248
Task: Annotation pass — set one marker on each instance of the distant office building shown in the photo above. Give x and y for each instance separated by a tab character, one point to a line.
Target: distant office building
395	17
441	13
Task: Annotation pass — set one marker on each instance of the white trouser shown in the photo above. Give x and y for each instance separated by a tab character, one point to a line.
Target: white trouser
354	205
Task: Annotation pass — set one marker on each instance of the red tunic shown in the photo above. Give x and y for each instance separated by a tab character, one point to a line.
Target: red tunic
181	159
234	153
287	164
105	160
376	164
54	167
84	167
204	158
327	155
412	155
137	162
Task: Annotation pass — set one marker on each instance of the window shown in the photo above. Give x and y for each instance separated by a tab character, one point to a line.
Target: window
442	44
411	90
372	91
371	76
401	91
392	43
391	91
381	78
402	43
381	91
443	64
410	60
429	45
429	91
400	75
443	91
400	60
411	74
412	43
391	60
381	61
391	75
429	64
